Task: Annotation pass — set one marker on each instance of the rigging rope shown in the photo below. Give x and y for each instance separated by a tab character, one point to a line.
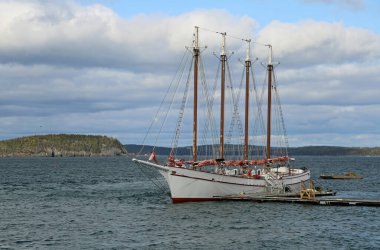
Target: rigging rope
235	117
282	128
181	66
234	37
181	111
154	179
170	105
258	124
257	140
259	120
218	32
209	117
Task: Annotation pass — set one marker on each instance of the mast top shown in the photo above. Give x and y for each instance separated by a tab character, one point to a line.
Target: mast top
223	52
248	56
196	38
270	54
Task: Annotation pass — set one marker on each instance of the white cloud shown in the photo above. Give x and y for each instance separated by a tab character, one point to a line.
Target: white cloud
311	42
327	84
94	36
75	69
350	4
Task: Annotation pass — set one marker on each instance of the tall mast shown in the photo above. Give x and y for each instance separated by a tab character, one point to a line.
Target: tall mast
195	108
247	67
269	69
223	59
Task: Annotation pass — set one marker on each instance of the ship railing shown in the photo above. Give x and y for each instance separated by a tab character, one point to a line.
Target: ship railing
275	186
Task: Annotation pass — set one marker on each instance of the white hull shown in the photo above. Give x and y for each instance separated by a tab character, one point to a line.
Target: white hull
191	185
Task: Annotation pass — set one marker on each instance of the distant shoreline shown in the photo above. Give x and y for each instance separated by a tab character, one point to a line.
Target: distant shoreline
76	145
299	151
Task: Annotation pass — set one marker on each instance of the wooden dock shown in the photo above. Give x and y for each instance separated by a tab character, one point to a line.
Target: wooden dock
307	195
314	201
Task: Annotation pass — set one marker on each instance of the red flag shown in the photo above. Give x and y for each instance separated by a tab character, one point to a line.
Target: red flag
152	157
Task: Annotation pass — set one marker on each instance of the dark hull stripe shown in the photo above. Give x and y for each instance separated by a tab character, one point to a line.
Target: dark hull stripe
233	183
224	182
181	200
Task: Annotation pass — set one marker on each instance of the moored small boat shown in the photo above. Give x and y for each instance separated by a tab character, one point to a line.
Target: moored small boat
348	175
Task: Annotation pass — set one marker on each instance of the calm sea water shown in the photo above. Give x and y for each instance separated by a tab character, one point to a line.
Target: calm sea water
106	203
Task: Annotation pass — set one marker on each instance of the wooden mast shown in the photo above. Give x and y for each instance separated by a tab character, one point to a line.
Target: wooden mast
270	69
246	132
223	59
195	108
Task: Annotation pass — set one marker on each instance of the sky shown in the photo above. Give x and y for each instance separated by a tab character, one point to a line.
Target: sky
101	67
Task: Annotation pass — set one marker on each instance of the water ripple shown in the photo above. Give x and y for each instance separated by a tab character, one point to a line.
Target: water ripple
105	203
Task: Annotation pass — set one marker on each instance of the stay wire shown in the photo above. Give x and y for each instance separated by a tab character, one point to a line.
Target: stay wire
234	37
156	182
162	103
209	116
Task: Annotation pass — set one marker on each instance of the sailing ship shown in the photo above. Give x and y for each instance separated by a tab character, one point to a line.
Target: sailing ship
242	163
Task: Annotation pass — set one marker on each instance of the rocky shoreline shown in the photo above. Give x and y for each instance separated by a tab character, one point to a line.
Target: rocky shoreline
61	146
